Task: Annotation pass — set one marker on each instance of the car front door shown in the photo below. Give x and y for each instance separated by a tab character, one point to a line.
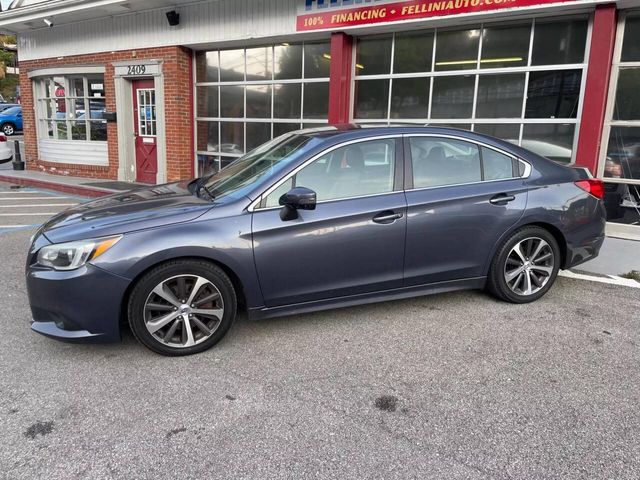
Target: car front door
461	198
352	243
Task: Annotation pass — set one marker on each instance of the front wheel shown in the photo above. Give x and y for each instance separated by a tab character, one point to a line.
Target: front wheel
525	266
182	307
8	129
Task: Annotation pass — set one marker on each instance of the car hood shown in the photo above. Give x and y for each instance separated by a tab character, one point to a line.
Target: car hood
126	212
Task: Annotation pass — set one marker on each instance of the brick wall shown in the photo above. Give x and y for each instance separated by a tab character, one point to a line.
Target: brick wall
178	111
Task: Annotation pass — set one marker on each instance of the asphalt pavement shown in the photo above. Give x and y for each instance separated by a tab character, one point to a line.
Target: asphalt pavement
449	386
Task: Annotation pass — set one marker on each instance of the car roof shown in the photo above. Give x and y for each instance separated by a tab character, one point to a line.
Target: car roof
353	131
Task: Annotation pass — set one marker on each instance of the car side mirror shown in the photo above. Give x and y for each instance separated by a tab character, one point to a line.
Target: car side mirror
298	198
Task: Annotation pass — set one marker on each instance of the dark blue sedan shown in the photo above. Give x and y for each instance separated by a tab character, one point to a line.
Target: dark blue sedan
312	220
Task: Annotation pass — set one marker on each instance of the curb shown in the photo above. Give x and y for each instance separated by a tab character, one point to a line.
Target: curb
608	279
58	187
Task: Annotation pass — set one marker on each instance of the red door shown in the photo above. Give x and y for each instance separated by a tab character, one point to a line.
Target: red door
144	114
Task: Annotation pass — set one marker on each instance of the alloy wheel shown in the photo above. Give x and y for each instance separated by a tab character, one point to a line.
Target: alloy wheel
8	130
529	266
183	311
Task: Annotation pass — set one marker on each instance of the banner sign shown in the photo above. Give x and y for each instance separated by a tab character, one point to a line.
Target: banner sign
332	14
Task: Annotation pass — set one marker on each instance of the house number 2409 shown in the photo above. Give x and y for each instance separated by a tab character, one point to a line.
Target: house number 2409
136	69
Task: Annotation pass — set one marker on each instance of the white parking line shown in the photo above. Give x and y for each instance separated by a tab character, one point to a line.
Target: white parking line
16	226
608	279
30	198
32	214
39	205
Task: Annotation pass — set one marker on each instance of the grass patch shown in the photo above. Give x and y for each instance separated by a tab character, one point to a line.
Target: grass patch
632	275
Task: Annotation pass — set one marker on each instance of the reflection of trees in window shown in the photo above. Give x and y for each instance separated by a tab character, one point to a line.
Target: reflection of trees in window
553	94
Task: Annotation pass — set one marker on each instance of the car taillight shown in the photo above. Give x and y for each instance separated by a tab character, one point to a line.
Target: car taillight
3	138
593	186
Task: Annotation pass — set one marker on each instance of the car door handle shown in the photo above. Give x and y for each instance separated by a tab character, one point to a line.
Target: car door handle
502	199
387	217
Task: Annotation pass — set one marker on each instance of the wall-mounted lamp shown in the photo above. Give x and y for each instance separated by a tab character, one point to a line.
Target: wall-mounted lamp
173	18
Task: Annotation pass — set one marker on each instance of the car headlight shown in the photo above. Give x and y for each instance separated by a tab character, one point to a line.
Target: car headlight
72	255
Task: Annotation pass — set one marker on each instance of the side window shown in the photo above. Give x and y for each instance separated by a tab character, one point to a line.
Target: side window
443	161
496	165
364	168
273	199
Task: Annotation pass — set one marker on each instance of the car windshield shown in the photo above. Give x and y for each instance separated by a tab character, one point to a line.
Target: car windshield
241	175
11	111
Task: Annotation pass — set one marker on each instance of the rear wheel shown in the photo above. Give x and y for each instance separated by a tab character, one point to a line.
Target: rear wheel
8	129
182	307
525	266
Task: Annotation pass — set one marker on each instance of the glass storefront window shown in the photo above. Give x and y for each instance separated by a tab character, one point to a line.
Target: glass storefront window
507	131
631	43
371	98
410	98
551	140
317	59
553	94
413	52
245	97
516	81
500	96
623	153
620	164
504	47
556	43
258	101
71	107
627	102
452	97
207	139
259	63
231	65
373	55
207	105
286	100
457	49
287	61
316	100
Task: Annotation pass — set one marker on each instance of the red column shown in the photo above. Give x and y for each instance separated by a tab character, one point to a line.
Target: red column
340	78
597	87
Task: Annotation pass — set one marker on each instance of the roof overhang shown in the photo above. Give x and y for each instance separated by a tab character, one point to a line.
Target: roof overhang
60	12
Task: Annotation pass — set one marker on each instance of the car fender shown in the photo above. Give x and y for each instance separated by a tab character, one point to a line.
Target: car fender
225	241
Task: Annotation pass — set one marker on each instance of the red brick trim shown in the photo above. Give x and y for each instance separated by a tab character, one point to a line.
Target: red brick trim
603	38
340	78
176	64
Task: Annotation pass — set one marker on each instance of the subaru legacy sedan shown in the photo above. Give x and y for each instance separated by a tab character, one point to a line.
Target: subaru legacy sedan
314	219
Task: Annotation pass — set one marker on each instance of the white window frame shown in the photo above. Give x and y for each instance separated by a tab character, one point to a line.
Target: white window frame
41	98
611	100
301	120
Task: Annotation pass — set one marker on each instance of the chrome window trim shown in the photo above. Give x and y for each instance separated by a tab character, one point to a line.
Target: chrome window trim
341	199
254	205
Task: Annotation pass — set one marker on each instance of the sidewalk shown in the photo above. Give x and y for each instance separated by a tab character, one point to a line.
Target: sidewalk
617	257
88	187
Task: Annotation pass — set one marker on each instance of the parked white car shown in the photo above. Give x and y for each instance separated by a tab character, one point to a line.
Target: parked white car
6	152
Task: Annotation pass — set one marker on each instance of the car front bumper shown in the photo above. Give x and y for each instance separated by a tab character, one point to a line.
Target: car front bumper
82	305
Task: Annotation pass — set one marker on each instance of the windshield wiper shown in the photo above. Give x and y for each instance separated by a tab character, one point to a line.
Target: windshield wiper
200	186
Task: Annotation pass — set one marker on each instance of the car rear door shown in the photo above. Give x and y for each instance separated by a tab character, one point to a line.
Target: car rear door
352	243
461	197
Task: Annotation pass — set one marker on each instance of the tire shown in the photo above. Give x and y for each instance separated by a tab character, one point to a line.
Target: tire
8	129
516	275
161	320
